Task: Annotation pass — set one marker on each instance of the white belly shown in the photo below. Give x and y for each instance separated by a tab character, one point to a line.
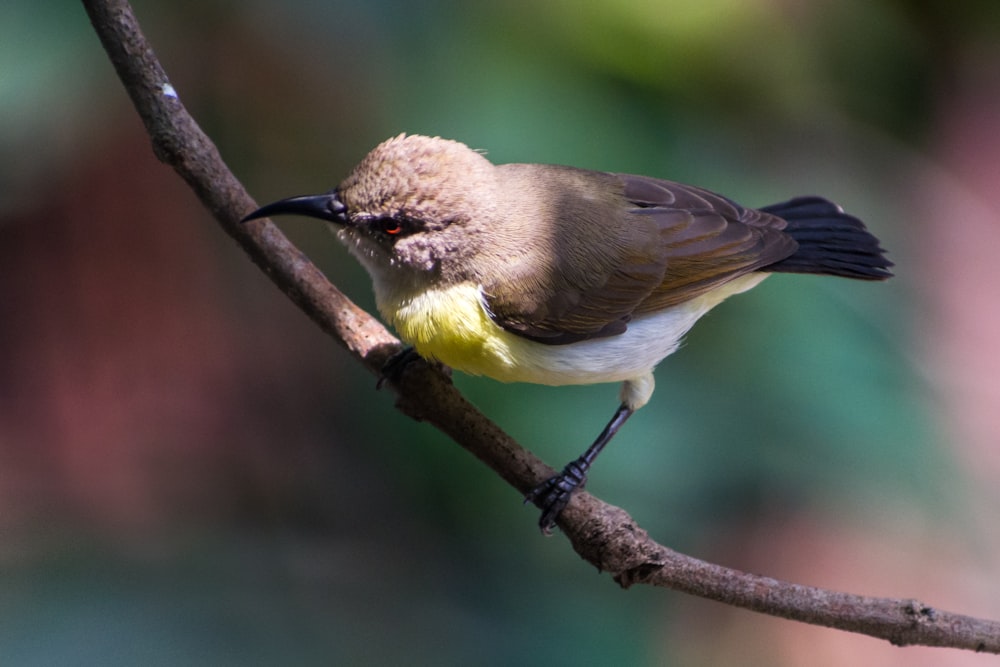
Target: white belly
648	340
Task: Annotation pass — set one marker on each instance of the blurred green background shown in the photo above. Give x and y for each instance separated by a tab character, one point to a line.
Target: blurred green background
191	473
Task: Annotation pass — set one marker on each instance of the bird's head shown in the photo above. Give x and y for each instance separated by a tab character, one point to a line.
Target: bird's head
411	205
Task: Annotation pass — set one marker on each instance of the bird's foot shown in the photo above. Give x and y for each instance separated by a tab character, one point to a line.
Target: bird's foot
552	495
394	366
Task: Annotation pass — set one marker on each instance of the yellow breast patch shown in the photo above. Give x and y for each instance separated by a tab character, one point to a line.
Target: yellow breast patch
451	325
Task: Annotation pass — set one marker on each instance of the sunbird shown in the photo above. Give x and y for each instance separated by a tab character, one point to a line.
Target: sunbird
556	275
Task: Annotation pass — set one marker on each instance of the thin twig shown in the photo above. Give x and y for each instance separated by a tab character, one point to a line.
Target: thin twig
602	534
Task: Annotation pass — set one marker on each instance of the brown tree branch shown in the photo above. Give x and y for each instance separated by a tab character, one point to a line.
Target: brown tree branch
602	534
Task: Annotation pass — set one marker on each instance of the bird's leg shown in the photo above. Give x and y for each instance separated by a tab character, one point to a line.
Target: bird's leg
552	495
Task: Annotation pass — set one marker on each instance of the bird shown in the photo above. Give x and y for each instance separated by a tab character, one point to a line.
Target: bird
557	275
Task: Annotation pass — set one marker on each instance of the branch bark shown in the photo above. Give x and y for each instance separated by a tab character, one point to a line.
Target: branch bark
602	534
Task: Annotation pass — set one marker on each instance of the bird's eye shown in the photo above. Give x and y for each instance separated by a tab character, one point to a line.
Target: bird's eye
390	226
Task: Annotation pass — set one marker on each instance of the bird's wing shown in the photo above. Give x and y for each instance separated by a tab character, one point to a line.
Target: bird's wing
682	242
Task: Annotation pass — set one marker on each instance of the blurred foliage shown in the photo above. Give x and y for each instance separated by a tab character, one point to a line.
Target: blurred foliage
383	542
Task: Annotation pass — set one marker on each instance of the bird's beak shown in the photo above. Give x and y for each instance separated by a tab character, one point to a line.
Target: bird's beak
325	207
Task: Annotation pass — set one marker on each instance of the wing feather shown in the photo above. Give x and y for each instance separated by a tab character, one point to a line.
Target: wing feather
671	243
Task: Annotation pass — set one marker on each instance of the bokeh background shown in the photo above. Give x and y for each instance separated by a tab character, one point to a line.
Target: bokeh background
191	473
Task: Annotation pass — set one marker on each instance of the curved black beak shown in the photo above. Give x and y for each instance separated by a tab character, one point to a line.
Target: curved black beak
325	207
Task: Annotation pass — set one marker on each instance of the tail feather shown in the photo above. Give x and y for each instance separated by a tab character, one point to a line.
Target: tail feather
831	242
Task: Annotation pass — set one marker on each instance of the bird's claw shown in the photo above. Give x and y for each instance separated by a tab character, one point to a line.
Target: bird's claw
393	367
552	495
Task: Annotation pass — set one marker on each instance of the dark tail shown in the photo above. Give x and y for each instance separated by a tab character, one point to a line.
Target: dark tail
831	242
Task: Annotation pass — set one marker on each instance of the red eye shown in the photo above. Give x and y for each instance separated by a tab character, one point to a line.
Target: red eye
390	226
